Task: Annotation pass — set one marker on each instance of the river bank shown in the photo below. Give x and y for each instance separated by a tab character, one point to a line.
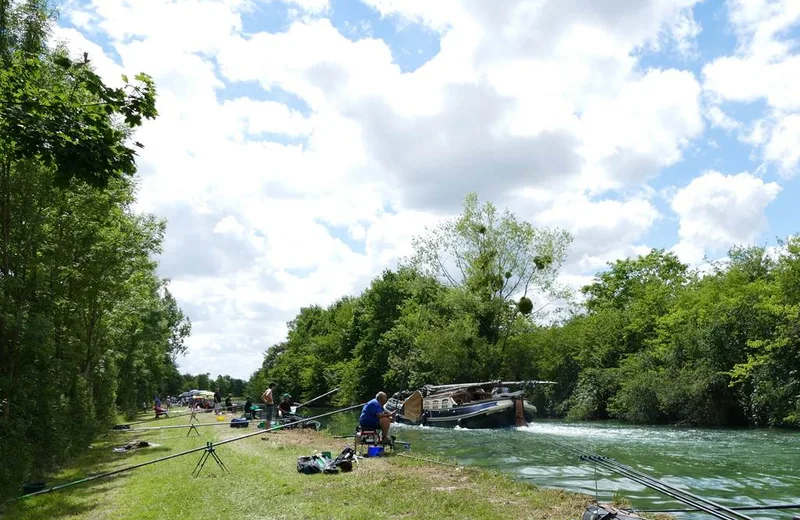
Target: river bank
264	483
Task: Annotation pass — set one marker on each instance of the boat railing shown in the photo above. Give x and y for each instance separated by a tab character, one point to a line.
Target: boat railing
456	386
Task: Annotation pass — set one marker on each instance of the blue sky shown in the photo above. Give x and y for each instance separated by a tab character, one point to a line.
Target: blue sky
302	144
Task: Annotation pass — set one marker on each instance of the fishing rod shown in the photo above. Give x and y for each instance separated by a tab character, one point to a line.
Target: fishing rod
712	508
736	508
652	483
319	397
154	428
175	455
690	499
180	414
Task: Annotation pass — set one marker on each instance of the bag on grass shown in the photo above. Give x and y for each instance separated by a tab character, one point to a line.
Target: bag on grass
308	465
238	422
344	461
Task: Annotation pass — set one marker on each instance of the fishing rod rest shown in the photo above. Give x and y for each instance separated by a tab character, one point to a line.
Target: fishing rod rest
208	452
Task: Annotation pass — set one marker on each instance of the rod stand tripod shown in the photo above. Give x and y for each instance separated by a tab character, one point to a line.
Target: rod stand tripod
193	417
209	452
193	427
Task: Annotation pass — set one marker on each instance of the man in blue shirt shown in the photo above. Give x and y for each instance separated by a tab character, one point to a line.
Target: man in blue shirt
373	416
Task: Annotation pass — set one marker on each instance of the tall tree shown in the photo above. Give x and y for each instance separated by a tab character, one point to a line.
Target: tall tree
76	268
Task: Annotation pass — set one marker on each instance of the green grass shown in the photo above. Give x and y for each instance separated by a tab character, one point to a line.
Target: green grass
264	483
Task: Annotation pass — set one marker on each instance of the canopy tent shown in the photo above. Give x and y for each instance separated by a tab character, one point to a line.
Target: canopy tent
197	393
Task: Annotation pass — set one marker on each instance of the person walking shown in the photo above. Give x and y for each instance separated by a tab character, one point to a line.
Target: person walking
269	402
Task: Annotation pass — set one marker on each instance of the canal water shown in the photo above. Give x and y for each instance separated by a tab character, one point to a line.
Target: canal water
730	466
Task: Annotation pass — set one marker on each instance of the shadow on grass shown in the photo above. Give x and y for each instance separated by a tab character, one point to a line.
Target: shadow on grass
65	503
85	496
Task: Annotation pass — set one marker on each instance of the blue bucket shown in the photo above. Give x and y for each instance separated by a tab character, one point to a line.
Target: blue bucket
374	451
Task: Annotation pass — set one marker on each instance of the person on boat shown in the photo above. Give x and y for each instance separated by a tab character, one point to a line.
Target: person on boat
285	406
373	416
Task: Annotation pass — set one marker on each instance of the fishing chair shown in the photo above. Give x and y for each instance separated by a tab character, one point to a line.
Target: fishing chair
366	438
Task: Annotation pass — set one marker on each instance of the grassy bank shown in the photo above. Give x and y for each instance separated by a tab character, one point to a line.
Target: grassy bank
264	483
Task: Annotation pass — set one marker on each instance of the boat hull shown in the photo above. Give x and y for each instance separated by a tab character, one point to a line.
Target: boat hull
484	415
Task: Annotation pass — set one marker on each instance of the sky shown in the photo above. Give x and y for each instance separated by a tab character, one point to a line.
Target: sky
301	144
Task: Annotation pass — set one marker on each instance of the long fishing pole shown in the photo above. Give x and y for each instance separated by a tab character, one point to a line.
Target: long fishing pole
319	397
154	428
687	493
689	499
686	497
246	435
714	510
180	414
161	459
736	508
654	486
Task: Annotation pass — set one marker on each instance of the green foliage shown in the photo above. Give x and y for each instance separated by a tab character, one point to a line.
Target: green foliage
59	111
525	305
657	343
420	324
86	326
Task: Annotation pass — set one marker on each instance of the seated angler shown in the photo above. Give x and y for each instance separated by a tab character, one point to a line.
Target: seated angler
158	408
285	406
374	417
249	412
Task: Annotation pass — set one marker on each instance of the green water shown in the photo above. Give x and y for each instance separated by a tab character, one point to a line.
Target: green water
732	467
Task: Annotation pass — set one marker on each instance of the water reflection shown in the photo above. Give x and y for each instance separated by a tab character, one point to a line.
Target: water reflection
741	467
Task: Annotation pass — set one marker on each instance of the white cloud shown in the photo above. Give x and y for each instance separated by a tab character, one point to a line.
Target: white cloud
541	106
717	211
720	119
230	225
784	144
766	67
310	6
603	230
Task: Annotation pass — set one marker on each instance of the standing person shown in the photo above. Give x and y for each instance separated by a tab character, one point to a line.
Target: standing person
217	401
269	402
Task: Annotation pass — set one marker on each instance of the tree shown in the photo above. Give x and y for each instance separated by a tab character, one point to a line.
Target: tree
86	325
493	256
499	263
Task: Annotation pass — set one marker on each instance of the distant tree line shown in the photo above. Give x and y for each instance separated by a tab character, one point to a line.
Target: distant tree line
226	384
87	327
653	341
